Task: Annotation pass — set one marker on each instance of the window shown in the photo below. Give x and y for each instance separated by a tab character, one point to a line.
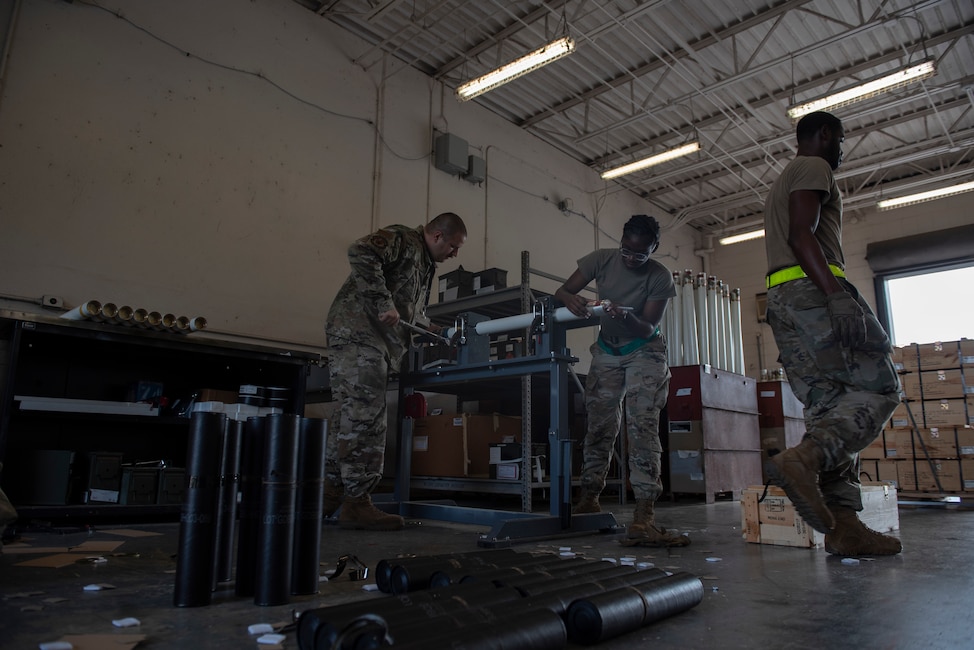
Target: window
924	307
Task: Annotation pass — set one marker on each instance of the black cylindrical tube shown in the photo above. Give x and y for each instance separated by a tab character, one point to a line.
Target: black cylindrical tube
671	595
226	513
309	506
416	622
384	567
197	522
557	595
412	577
339	615
605	616
275	536
251	461
538	566
536	629
535	582
613	613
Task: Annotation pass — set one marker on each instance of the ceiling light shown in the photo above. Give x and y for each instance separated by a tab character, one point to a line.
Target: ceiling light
519	67
652	160
865	90
910	199
744	236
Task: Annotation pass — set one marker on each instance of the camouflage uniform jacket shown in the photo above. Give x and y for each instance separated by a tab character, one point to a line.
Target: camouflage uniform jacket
390	268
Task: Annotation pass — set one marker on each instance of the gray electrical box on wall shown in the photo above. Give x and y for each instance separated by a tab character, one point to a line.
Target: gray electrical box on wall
476	170
450	154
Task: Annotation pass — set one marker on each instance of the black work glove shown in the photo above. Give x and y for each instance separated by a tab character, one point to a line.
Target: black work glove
848	319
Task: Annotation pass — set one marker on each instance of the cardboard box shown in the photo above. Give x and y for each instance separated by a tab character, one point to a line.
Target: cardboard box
967	470
908	357
939	442
886	472
967	352
940	354
901	416
940	384
774	520
910	386
944	413
505	461
923	475
215	395
458	445
965	442
877	448
897	357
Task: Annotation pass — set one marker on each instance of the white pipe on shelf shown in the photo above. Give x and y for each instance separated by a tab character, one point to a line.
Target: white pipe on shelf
700	302
691	353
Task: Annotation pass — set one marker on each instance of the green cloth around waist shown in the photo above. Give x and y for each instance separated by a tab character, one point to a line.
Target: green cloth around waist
628	348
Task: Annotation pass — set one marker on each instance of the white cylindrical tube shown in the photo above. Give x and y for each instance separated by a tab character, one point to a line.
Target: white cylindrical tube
181	324
728	352
197	323
721	328
523	321
666	327
87	309
735	305
676	336
703	336
691	354
713	321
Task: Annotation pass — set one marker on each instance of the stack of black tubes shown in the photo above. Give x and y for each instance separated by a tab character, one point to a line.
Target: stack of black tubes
498	600
257	486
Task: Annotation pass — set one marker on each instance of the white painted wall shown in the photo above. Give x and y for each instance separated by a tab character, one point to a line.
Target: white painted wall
216	158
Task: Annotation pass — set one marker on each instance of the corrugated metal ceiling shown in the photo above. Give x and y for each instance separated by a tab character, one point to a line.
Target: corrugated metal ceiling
649	75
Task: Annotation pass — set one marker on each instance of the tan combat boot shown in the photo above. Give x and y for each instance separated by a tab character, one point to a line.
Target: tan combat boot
334	493
359	513
796	471
643	530
588	502
852	537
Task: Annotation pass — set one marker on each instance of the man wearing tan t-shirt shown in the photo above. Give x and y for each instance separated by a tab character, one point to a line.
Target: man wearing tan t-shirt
834	351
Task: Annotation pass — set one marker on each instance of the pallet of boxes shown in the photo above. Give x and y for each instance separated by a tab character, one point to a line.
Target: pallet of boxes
929	439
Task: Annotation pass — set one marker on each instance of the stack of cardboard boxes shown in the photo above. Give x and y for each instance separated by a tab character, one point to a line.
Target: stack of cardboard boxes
459	446
928	445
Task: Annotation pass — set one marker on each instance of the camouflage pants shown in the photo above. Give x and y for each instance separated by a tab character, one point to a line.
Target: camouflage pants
848	394
356	444
640	381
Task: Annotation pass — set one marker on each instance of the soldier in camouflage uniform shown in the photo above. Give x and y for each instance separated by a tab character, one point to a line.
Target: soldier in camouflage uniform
628	369
834	351
392	272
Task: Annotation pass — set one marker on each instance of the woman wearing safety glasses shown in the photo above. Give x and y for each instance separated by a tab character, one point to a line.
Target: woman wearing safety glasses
628	368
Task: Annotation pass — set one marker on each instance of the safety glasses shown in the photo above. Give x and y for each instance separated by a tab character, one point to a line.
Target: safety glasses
635	257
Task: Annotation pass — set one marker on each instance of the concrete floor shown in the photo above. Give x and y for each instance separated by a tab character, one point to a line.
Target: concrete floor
754	597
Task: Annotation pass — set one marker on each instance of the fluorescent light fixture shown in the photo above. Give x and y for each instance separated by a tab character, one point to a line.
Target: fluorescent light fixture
865	90
910	199
744	236
652	160
519	67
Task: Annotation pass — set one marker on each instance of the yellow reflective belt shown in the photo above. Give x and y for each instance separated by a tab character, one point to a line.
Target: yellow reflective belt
796	273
